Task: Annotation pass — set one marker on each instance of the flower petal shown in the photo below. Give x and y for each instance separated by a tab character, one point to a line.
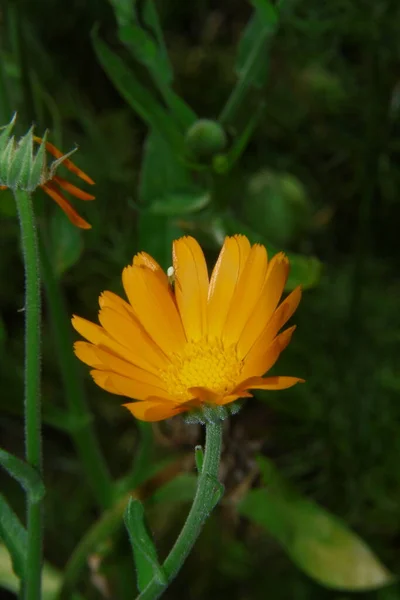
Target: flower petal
191	286
275	279
154	307
63	203
154	409
85	352
103	359
72	189
260	358
146	261
224	279
232	397
128	332
98	335
111	300
281	316
246	294
278	382
124	386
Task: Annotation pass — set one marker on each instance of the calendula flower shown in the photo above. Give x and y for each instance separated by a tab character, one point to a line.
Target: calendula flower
24	168
196	342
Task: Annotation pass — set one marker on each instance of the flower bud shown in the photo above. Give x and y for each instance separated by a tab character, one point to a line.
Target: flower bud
205	138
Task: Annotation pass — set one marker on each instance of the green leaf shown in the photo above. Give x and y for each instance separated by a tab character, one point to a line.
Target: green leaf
170	193
180	489
261	27
144	551
136	95
180	203
51	579
132	17
14	537
66	243
172	190
277	205
26	476
318	543
304	270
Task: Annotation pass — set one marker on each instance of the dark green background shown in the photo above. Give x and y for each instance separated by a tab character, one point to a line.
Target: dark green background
320	177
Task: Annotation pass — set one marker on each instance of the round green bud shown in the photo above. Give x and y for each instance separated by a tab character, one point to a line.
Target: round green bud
205	138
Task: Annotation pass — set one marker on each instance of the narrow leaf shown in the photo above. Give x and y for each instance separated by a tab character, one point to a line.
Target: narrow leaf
144	551
318	542
26	476
136	95
259	30
14	536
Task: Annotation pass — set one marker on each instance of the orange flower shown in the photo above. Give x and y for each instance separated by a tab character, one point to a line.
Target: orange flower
198	342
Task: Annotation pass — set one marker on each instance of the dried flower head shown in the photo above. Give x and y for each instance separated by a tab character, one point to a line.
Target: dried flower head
24	166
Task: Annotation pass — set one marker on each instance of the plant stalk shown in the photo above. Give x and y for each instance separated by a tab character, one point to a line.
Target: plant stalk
33	437
203	503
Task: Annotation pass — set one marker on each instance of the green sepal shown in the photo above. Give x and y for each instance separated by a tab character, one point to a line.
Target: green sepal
26	475
5	133
144	551
6	159
212	413
21	163
38	168
14	537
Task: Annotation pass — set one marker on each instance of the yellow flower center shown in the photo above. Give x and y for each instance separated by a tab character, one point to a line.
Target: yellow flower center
203	364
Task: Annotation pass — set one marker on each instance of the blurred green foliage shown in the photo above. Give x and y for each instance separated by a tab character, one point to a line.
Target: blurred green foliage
308	95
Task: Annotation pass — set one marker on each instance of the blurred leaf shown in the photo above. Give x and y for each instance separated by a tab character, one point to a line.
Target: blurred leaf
3	333
144	551
319	543
180	204
166	181
66	243
131	17
8	207
14	537
24	473
171	192
260	28
304	270
51	579
277	206
136	95
180	489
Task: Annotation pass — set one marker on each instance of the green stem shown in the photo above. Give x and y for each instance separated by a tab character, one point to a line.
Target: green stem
33	438
203	504
81	429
